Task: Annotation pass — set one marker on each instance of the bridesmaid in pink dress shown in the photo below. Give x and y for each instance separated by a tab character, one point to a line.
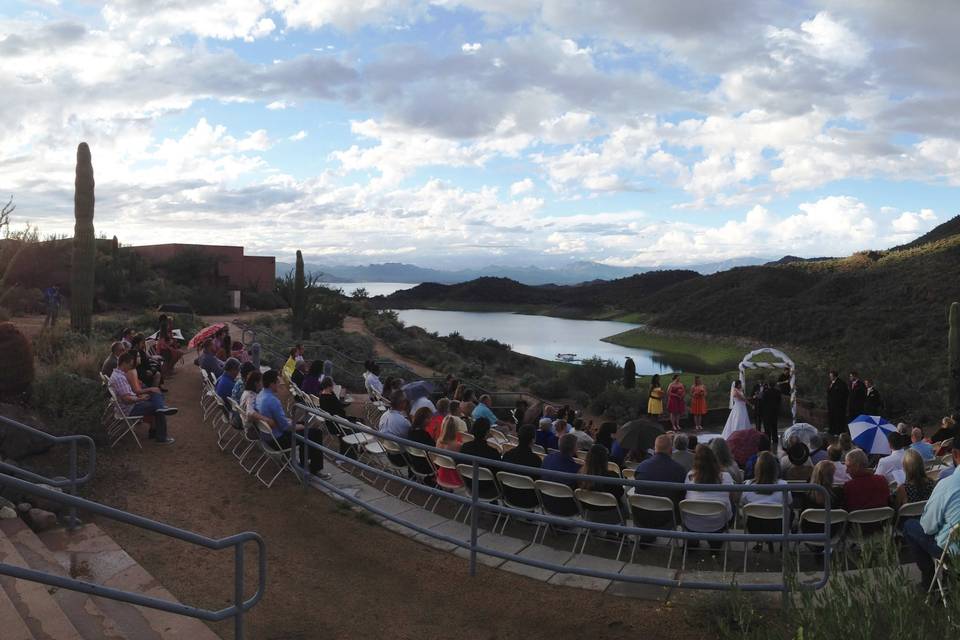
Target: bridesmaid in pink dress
676	404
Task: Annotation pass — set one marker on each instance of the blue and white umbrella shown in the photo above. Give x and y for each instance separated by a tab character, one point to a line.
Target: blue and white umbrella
870	433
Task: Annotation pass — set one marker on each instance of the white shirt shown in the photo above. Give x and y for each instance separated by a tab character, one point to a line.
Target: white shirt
889	464
707	524
421	403
840	475
372	382
246	404
583	438
752	497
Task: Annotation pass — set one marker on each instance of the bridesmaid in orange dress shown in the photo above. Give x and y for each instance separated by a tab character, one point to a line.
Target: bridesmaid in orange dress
698	405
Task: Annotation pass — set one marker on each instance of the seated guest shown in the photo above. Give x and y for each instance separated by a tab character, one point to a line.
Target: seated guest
145	402
563	460
329	402
545	437
418	427
584	439
126	337
845	442
605	434
891	466
947	430
522	454
763	444
681	454
371	378
725	458
483	410
436	421
110	363
167	346
930	535
835	455
519	411
766	471
449	438
925	449
596	465
311	380
147	368
706	470
209	361
299	371
327	371
865	489
795	465
394	421
824	474
818	449
422	402
238	387
661	467
269	405
478	446
224	386
916	486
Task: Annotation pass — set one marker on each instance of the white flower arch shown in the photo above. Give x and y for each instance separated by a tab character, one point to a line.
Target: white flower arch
783	361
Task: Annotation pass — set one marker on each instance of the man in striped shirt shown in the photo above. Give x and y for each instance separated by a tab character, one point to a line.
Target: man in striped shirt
143	404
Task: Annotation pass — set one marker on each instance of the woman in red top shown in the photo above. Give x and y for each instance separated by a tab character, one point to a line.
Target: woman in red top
450	438
676	393
433	426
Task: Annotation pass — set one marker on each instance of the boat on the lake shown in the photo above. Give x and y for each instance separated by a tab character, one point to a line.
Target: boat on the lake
567	357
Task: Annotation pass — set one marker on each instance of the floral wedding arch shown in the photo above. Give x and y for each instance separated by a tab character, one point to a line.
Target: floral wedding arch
781	361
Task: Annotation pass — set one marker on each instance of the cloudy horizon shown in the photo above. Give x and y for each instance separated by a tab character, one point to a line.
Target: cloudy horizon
473	132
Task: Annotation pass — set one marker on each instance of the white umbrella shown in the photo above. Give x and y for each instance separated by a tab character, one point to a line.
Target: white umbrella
870	433
804	432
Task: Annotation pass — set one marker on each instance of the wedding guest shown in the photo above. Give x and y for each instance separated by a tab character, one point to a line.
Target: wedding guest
479	446
837	393
925	449
891	466
523	454
596	465
947	430
605	434
796	463
763	444
545	437
725	458
418	426
916	485
436	421
371	378
766	471
682	454
845	442
209	361
818	449
661	467
110	363
248	412
563	460
872	402
676	393
449	439
311	381
698	402
224	386
137	401
299	372
269	405
655	397
706	470
835	454
928	536
865	489
394	421
238	387
584	439
824	474
857	397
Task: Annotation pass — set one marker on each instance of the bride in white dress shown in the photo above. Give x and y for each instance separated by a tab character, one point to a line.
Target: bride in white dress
739	417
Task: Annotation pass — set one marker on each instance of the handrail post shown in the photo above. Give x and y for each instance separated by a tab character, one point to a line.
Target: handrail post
474	516
72	513
238	591
787	498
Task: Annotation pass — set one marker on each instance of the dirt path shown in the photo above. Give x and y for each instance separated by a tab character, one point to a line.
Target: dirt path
331	574
352	324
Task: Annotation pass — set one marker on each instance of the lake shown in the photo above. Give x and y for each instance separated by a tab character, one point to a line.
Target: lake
539	336
373	288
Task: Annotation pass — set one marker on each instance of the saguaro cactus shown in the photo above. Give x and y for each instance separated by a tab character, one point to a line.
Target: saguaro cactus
299	298
953	348
84	244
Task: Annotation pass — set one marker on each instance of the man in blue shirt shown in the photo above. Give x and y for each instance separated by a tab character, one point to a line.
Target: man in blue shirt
928	536
563	460
268	405
395	420
661	467
545	436
925	449
224	387
209	361
483	410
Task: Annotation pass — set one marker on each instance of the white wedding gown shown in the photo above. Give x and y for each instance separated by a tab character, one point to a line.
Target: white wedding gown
739	417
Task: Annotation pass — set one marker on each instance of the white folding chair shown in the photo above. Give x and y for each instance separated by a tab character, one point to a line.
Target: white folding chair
232	433
702	508
940	565
557	499
814	521
760	518
441	461
601	507
488	490
122	422
519	492
653	512
272	451
908	510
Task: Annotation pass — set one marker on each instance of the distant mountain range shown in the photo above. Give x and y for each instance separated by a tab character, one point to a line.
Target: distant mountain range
566	274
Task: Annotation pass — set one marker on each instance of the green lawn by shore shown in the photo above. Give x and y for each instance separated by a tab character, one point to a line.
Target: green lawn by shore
683	353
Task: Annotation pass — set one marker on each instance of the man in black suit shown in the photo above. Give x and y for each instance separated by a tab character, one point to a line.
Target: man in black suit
770	399
837	394
857	397
873	403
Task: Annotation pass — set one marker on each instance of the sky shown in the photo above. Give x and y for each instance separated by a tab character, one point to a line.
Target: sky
455	133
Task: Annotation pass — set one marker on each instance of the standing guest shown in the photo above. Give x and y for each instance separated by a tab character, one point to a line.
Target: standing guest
449	439
682	454
836	454
224	386
676	393
523	454
865	489
655	397
925	449
725	459
766	471
545	437
143	402
629	373
418	426
872	402
698	402
436	420
311	380
371	378
584	439
706	470
818	449
168	346
930	535
563	460
837	394
857	397
783	383
110	363
394	421
479	446
299	372
52	300
269	405
763	444
891	466
770	401
209	361
824	474
916	486
661	467
290	365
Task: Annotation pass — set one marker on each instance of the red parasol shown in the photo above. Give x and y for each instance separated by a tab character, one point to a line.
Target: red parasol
744	443
203	334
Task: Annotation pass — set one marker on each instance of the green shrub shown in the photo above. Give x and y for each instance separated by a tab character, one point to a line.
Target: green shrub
618	403
17	371
50	346
70	403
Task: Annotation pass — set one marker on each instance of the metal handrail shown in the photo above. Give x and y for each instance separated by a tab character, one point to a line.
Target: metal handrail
235	611
71	482
785	537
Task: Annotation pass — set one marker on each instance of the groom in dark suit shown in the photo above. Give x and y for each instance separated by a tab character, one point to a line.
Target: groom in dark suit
769	410
837	394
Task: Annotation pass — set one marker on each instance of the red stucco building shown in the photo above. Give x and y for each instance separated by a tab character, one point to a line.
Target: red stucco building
236	270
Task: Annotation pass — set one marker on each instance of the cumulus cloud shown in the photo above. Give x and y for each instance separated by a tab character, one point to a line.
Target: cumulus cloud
521	186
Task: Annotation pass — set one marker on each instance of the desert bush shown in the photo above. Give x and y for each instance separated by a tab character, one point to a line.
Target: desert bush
618	403
49	346
69	403
17	372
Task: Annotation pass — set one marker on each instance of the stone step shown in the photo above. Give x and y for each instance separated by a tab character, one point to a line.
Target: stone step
90	554
79	608
33	601
14	628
